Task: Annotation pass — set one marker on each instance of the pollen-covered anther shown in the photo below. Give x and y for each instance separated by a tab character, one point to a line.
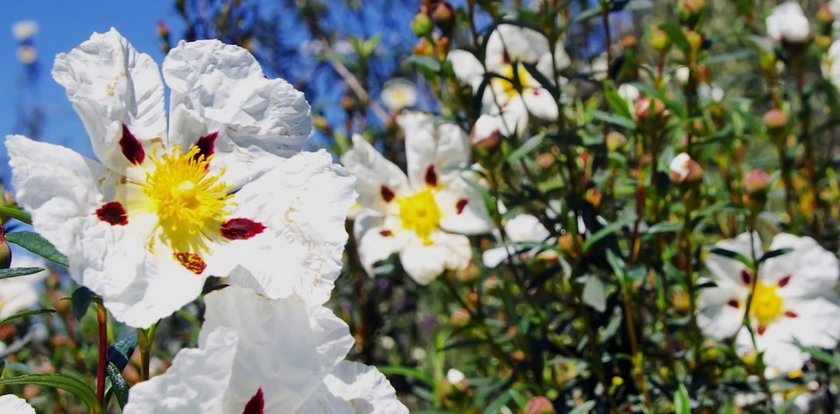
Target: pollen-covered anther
191	261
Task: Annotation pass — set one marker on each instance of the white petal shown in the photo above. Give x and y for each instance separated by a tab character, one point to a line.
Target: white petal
561	60
110	84
521	44
257	119
716	318
376	242
444	147
540	103
372	172
398	93
467	67
724	267
462	206
286	347
425	263
779	352
196	381
495	256
594	294
812	269
303	204
15	296
508	122
12	404
354	388
817	322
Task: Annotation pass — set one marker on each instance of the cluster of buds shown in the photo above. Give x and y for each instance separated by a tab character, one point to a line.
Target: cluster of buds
650	113
684	169
433	14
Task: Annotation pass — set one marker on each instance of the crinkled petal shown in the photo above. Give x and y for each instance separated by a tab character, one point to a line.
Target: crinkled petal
521	44
12	404
110	84
443	147
780	354
817	322
717	318
373	172
540	103
376	241
424	263
303	203
462	206
257	119
286	347
196	381
813	270
354	388
467	67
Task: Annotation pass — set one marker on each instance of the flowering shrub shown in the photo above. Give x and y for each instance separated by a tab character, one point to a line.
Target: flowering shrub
596	206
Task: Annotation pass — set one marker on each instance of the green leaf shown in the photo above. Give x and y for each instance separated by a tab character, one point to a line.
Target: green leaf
120	352
425	62
616	102
80	300
774	253
407	372
16	213
606	231
583	408
36	244
614	119
69	384
24	314
682	403
18	271
118	384
818	354
676	35
525	148
732	255
496	405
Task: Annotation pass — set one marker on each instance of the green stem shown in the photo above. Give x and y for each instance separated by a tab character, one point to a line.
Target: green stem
145	338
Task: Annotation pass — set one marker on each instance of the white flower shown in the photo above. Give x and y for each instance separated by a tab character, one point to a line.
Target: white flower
787	22
417	215
684	169
522	228
219	189
398	94
12	404
629	93
682	75
20	293
794	299
831	63
511	92
257	355
453	376
24	29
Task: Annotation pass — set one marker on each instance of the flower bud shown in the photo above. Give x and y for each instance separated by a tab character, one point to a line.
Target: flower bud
756	181
423	47
684	169
593	196
615	140
444	16
775	119
539	405
649	112
460	317
5	251
162	29
824	14
421	25
347	103
689	11
659	40
695	40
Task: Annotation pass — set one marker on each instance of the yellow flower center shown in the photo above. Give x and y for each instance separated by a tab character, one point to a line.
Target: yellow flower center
190	202
766	304
420	213
513	76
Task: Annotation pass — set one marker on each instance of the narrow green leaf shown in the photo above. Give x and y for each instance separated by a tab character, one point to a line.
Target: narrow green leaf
583	408
80	301
425	62
24	314
18	271
69	384
525	148
732	255
682	403
616	102
606	231
407	372
120	352
118	384
676	35
16	213
36	244
774	253
614	119
496	405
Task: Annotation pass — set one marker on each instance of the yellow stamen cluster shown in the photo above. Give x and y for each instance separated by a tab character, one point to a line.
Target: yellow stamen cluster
420	213
766	304
190	202
513	76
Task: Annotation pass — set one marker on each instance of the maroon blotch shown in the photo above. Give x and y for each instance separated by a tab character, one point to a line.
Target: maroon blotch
387	194
386	233
206	145
461	205
761	329
784	281
746	276
131	147
431	176
113	213
241	229
733	303
256	405
791	314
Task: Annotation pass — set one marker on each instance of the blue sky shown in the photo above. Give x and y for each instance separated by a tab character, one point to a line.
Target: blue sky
63	25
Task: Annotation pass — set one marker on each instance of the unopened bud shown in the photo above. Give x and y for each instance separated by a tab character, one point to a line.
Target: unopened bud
5	251
615	140
695	40
162	29
756	181
539	405
421	25
444	16
423	47
545	160
460	318
684	169
593	196
319	122
824	14
689	10
347	103
648	108
659	40
775	119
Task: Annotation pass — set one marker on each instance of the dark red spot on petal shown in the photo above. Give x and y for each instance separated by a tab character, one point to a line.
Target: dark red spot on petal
113	213
256	405
191	261
387	194
241	229
206	145
505	57
131	147
386	233
461	205
734	303
791	314
746	276
431	176
784	281
761	329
